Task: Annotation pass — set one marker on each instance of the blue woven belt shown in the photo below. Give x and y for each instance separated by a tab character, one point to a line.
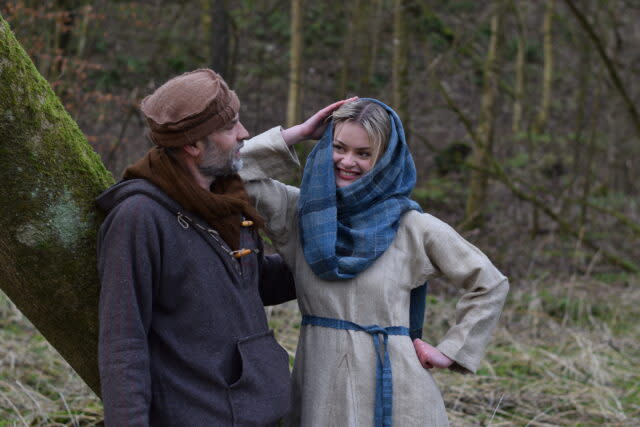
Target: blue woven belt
384	383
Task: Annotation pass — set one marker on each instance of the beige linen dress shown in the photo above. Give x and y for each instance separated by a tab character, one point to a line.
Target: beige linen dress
334	371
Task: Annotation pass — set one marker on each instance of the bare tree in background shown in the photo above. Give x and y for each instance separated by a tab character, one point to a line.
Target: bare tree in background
482	151
294	114
547	80
352	10
372	27
220	39
516	123
400	65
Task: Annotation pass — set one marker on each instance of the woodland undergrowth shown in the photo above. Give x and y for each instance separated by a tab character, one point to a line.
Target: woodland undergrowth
566	353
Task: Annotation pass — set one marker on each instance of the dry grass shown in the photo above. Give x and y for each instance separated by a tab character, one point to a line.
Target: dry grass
37	387
566	353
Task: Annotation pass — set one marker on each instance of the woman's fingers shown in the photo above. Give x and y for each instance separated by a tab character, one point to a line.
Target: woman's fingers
314	126
322	114
331	108
430	356
422	350
316	123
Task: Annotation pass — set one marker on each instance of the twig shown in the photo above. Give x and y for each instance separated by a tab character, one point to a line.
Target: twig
634	226
613	73
73	418
25	391
24	422
496	409
499	173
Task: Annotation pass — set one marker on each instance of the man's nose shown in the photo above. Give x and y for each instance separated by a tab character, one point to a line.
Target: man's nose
243	134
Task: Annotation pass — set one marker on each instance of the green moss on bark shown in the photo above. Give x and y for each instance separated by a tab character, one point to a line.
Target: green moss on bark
49	178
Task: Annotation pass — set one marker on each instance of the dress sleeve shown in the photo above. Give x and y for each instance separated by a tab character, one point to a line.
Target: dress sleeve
127	263
264	157
478	310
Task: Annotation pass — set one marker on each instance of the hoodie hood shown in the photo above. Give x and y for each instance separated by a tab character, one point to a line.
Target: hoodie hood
112	196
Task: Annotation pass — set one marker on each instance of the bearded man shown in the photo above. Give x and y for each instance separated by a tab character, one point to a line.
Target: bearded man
184	339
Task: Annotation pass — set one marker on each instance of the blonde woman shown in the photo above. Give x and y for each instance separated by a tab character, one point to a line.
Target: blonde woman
357	246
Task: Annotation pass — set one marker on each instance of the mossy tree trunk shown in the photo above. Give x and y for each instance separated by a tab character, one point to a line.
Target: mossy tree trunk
49	177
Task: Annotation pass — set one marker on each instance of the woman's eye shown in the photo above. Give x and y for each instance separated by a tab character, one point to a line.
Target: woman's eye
337	147
365	155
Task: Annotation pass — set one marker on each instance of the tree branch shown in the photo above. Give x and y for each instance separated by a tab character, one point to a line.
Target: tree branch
617	81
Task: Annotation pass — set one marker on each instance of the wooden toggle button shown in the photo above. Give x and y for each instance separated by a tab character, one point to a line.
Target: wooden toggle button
241	252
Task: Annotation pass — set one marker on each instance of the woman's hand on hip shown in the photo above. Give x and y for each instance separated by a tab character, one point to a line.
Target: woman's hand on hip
314	126
429	356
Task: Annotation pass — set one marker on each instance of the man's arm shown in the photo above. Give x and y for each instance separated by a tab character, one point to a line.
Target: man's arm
126	266
276	281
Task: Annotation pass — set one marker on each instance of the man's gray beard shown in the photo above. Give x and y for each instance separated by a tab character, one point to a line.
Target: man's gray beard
216	170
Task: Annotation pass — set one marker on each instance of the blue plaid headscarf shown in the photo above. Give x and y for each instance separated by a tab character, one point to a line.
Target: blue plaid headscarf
344	230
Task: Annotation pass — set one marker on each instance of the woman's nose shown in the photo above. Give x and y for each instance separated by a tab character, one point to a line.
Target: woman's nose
348	159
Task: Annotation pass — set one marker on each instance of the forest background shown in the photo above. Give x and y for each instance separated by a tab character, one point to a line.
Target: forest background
523	120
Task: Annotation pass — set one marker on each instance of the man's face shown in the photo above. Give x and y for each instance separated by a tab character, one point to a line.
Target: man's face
221	151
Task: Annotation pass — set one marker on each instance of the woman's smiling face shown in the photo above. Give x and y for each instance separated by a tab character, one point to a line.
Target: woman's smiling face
352	153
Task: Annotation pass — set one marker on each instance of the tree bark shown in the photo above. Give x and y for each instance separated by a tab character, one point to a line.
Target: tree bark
480	158
611	68
547	79
295	65
520	70
566	225
588	169
83	29
352	9
371	53
49	177
582	96
220	40
400	67
540	123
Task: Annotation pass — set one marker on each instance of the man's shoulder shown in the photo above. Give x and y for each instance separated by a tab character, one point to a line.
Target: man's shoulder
136	201
138	193
138	204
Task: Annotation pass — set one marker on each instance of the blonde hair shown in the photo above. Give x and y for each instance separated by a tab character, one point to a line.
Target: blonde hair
372	117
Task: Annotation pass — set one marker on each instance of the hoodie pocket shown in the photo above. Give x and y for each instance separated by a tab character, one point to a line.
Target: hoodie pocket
262	394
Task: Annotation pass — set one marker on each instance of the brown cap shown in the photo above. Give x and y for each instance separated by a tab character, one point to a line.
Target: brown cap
189	107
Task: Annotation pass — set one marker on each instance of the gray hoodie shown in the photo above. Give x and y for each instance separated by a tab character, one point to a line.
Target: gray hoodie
183	335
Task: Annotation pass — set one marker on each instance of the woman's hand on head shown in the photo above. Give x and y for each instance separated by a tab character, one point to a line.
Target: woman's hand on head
314	126
429	356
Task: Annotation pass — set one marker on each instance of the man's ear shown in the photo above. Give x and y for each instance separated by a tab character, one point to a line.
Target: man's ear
192	149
